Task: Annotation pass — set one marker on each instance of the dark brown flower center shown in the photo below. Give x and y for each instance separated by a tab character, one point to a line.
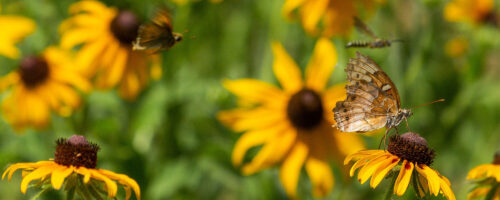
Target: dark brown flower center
496	159
305	109
411	147
125	26
33	71
76	151
490	18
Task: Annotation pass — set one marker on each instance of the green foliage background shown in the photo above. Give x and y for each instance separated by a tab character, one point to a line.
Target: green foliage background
171	143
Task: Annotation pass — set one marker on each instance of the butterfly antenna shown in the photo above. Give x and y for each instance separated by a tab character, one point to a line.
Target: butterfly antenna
425	104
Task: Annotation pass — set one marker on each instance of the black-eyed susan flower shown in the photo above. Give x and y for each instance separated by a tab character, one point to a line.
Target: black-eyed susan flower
74	163
107	35
337	15
487	178
293	124
40	85
406	155
14	29
471	11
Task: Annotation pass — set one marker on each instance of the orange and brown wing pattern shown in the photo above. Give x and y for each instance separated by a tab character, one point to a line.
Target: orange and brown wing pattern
371	97
156	36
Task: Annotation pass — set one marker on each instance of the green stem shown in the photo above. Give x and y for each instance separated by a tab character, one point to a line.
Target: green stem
390	191
492	192
40	193
70	194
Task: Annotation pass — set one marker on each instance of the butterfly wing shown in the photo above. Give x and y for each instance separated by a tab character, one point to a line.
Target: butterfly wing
155	36
371	97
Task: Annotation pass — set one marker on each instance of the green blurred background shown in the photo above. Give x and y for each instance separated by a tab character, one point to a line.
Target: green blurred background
170	142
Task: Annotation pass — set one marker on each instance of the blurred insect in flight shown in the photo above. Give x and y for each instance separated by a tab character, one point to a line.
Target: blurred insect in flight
157	35
377	43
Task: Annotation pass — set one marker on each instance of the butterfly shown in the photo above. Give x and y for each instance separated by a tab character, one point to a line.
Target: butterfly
156	36
377	43
372	99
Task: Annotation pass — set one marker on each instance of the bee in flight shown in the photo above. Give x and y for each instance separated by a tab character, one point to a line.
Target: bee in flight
377	43
157	35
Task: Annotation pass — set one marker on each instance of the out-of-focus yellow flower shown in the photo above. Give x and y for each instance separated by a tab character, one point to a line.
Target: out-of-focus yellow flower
469	11
456	47
293	125
487	177
415	157
107	35
74	164
14	29
41	84
337	15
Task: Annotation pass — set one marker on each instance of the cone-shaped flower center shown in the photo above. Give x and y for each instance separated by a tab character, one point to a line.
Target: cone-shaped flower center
305	109
33	71
76	151
411	147
125	26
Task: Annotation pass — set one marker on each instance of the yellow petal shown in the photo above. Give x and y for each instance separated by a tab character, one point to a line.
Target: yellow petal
93	7
77	36
114	73
9	80
18	28
259	118
83	20
478	192
479	172
338	19
433	179
59	174
321	65
253	138
66	94
360	154
255	91
285	69
88	56
332	95
321	176
110	185
290	169
403	178
382	170
85	172
130	86
124	180
370	167
347	143
311	13
38	110
28	166
36	174
277	146
289	6
68	76
447	192
363	160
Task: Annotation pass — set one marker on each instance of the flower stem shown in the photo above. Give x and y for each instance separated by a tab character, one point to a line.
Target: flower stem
492	192
390	191
70	194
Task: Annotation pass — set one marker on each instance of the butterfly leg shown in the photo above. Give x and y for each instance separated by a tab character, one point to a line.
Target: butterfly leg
407	126
384	138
